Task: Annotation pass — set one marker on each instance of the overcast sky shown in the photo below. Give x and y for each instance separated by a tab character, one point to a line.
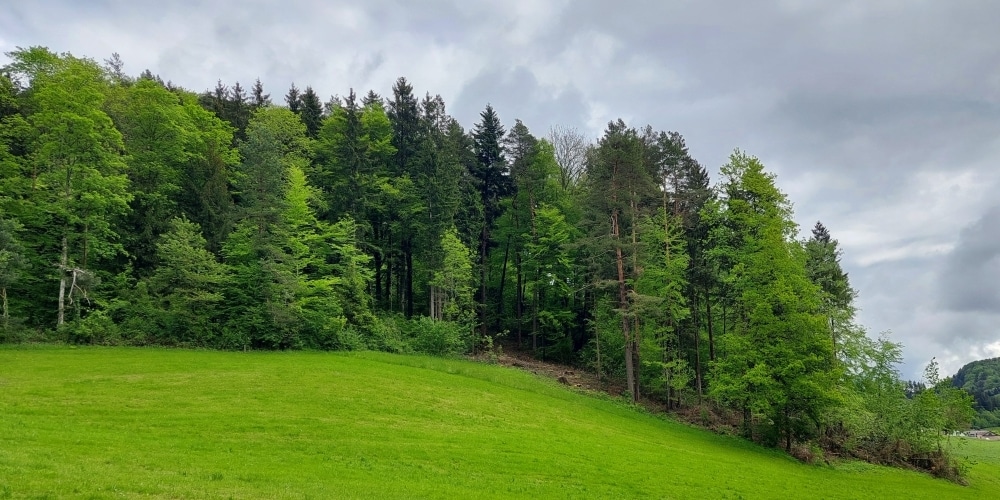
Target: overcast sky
881	118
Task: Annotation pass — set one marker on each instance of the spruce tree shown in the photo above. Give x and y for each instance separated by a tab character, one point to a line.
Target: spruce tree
311	112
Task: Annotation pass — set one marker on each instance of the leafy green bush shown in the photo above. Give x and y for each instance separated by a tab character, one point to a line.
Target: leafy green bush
440	338
95	328
384	334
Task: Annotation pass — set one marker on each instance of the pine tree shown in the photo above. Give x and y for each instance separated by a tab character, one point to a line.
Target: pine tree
621	189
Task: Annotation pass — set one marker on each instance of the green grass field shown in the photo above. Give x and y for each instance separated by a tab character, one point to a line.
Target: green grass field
136	423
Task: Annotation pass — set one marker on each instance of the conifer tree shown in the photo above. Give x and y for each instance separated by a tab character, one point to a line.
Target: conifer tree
311	112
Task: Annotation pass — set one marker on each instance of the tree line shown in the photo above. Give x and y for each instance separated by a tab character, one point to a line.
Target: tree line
133	211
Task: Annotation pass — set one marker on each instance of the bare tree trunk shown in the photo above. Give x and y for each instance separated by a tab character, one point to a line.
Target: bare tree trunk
6	316
503	277
378	278
482	281
623	306
534	288
519	299
833	339
409	279
63	264
697	346
711	337
430	303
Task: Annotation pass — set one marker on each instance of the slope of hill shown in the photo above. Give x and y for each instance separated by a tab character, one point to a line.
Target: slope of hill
156	423
982	380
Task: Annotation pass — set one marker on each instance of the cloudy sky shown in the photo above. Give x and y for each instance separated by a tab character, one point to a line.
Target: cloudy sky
881	118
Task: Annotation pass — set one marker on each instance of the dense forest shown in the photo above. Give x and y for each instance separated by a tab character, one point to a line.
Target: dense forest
136	212
981	379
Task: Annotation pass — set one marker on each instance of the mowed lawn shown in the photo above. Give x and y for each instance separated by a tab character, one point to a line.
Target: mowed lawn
158	423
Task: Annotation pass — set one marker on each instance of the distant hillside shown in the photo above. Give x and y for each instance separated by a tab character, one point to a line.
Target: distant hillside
982	380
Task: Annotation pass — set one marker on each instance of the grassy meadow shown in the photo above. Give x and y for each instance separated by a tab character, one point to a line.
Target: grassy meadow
159	423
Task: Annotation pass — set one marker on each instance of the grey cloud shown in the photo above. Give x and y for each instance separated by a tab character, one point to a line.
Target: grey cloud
516	94
970	278
882	119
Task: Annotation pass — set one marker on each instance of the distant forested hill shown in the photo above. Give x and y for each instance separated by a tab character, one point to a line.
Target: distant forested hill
982	380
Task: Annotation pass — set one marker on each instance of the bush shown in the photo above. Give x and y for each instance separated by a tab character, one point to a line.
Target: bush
96	328
440	338
384	334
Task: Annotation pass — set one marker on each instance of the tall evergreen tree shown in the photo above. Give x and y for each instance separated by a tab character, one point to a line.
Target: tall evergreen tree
260	99
621	189
824	270
492	175
311	112
293	99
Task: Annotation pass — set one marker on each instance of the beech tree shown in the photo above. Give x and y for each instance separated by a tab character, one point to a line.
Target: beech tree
77	171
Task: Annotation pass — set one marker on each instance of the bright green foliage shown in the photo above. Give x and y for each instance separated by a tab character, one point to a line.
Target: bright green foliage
261	294
776	358
551	279
454	282
205	197
351	269
76	170
167	217
660	302
879	423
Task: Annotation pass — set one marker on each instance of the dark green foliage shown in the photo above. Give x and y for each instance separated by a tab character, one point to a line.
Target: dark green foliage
981	379
293	99
311	112
260	99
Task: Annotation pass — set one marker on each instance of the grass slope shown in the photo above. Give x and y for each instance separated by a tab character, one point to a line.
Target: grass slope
108	422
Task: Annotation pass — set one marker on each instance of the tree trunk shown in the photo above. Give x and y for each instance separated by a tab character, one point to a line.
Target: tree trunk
503	277
623	307
482	281
711	337
63	264
697	346
534	288
519	298
378	278
409	278
3	297
388	275
430	303
833	339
